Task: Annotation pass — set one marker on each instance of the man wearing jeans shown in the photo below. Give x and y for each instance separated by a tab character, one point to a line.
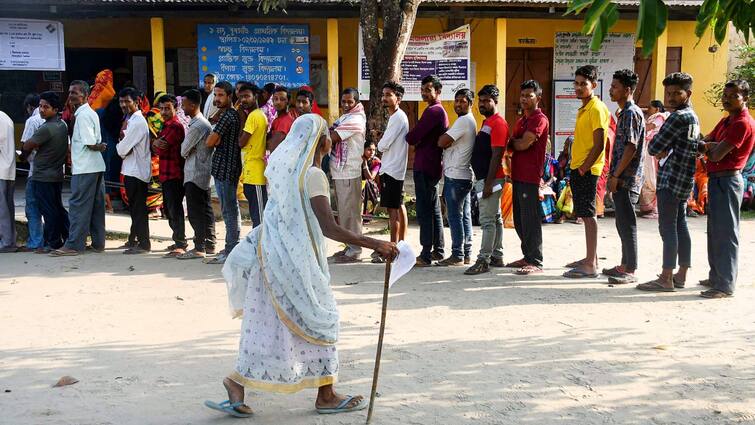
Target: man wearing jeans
226	165
528	144
136	169
197	179
458	143
676	142
625	180
35	241
252	141
727	147
87	203
487	163
51	144
427	171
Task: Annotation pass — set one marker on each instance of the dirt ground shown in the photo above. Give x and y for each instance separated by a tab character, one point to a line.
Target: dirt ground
150	340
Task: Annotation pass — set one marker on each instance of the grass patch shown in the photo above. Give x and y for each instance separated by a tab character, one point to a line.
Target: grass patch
748	215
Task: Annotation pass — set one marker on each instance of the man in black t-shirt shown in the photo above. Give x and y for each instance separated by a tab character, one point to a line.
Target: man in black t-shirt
51	143
226	165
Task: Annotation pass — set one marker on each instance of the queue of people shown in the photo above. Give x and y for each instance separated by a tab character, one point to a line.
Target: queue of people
224	136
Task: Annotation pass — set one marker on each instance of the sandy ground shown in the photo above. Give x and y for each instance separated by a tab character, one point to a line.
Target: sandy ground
150	340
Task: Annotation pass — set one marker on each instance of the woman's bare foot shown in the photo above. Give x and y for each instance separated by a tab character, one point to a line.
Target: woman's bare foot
327	398
236	394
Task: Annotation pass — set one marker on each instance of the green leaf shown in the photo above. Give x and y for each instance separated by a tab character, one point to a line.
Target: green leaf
705	17
721	27
651	17
607	20
577	6
593	14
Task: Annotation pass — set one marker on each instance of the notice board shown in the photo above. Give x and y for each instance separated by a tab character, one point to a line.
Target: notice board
444	54
31	45
257	53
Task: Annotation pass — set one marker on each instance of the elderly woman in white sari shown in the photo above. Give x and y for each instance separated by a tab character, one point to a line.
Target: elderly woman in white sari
279	283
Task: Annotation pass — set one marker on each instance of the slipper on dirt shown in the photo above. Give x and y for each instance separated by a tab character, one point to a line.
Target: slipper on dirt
341	408
190	255
654	286
579	274
228	408
517	264
714	293
62	253
574	264
527	270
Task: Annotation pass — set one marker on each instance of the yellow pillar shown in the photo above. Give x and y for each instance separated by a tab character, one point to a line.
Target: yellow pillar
500	55
659	66
333	88
158	54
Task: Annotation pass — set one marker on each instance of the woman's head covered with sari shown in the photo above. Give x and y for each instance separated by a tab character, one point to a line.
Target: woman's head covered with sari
287	251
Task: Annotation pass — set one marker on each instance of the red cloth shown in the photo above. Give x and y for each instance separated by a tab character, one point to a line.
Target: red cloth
738	131
171	161
282	123
527	165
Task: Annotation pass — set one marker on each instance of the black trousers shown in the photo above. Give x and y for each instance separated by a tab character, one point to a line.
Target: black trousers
136	192
626	226
256	197
528	222
201	217
173	197
50	203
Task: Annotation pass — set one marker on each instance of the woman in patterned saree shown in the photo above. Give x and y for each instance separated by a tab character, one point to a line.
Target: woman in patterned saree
279	282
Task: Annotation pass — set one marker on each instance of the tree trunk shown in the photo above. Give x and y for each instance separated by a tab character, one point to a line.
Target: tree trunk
384	52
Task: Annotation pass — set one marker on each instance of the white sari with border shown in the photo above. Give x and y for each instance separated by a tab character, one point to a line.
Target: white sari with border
278	279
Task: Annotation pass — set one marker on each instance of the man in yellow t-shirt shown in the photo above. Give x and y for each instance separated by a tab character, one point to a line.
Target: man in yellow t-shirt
588	158
253	144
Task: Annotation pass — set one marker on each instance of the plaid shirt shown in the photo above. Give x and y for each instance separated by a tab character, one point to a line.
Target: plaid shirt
226	161
678	137
171	161
630	130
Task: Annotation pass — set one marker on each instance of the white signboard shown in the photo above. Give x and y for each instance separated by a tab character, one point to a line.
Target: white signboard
572	51
31	45
565	109
445	55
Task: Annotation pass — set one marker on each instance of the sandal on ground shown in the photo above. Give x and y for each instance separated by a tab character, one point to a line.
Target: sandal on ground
64	253
579	274
175	253
190	255
706	283
616	271
230	408
528	270
654	286
678	284
575	264
337	254
345	259
714	293
517	264
341	408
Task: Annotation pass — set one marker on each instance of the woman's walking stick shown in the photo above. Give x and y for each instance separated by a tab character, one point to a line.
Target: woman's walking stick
380	340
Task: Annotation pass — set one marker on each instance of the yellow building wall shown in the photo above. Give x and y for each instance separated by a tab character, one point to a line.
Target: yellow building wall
707	68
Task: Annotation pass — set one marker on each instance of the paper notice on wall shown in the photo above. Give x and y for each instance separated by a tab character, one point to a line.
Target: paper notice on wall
31	45
572	50
444	54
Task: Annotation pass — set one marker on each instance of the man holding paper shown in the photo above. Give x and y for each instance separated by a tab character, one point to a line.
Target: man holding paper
487	163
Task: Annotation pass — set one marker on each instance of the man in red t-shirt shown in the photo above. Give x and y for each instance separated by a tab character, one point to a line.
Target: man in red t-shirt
727	147
527	163
282	123
487	164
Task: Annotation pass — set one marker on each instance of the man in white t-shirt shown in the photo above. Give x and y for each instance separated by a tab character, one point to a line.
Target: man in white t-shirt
457	144
347	135
87	204
395	152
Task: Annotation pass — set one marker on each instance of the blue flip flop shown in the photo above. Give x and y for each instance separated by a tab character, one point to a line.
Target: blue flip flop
341	408
228	408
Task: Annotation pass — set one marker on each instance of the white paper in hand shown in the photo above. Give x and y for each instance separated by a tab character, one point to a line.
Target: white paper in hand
403	263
